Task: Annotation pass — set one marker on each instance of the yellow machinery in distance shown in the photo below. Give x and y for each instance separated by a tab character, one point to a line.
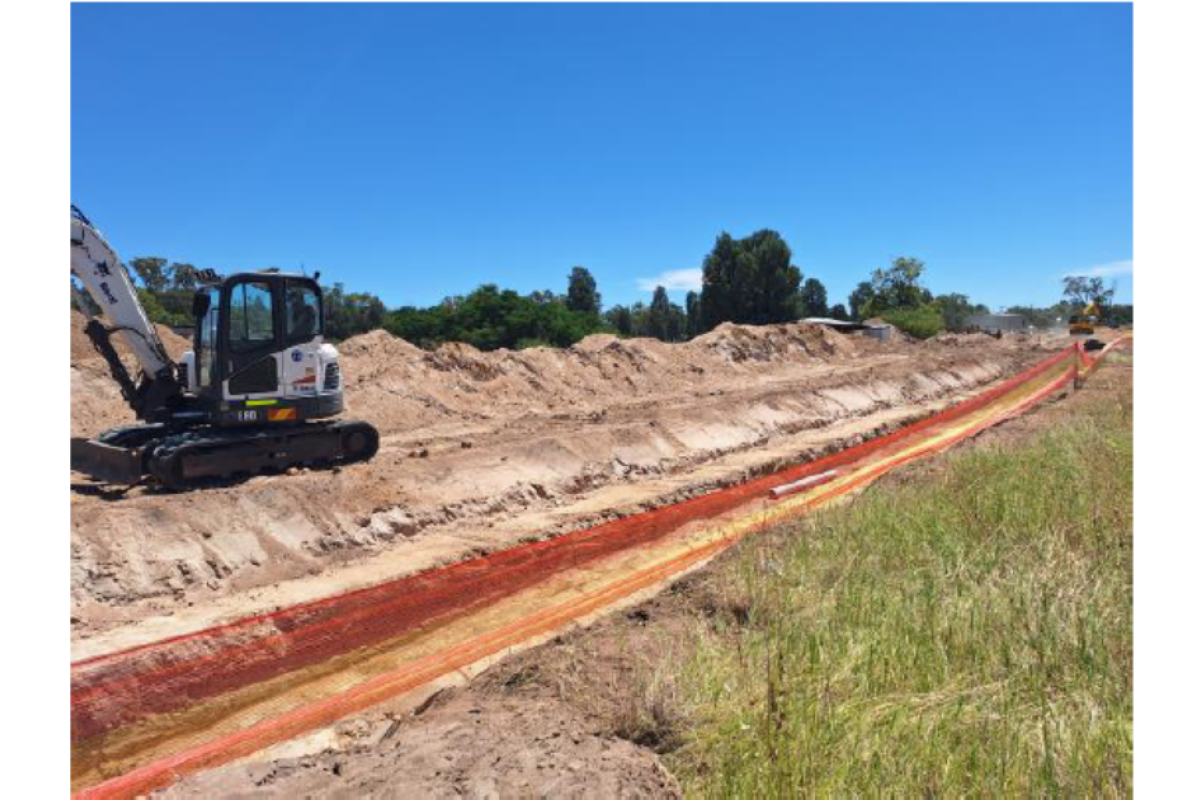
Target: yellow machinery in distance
1084	323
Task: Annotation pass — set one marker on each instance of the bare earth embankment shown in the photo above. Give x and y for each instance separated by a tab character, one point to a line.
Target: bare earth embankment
964	628
483	450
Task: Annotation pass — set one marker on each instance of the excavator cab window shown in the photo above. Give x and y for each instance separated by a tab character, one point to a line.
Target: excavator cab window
208	326
251	316
303	311
253	335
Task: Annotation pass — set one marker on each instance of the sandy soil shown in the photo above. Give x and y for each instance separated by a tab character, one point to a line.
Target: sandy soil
463	747
96	402
584	692
482	450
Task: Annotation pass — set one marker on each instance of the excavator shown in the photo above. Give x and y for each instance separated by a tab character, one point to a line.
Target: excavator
258	391
1084	323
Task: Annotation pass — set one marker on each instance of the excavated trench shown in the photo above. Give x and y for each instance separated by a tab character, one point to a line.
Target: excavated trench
144	715
460	486
553	481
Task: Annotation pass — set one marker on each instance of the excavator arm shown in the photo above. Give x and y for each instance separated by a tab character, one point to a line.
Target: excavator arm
95	265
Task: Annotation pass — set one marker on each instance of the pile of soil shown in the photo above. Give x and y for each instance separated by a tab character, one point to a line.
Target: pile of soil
483	450
1042	341
96	402
397	386
962	339
82	350
740	343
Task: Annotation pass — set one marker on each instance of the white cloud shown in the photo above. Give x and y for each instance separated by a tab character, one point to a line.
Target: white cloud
1105	270
673	280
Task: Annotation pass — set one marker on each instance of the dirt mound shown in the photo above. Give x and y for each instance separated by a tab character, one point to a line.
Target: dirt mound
380	346
81	345
463	358
963	339
401	388
96	402
482	449
397	386
738	343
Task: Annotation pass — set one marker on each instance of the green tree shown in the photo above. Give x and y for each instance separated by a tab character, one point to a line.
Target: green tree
920	321
722	289
152	271
956	308
676	324
750	280
775	282
639	316
1117	315
156	312
813	299
898	286
166	291
421	326
184	277
659	321
692	312
1079	291
349	314
620	319
1049	317
839	312
861	299
490	318
582	295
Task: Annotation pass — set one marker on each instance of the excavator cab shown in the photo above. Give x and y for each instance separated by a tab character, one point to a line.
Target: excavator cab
259	354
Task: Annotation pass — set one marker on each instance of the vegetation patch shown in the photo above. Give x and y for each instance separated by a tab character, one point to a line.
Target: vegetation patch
746	281
920	321
967	633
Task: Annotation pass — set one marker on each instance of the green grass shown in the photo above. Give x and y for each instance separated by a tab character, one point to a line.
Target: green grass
968	632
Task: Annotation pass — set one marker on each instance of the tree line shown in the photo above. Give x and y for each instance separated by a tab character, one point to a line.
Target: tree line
749	280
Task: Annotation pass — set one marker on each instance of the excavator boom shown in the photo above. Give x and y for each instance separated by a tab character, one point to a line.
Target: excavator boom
96	266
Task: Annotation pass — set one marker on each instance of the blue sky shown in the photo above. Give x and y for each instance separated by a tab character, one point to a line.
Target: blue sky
418	151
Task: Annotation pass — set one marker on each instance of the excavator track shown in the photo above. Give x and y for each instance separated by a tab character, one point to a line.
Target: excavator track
179	459
183	459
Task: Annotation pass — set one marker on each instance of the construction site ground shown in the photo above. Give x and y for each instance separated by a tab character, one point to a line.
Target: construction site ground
578	716
481	451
